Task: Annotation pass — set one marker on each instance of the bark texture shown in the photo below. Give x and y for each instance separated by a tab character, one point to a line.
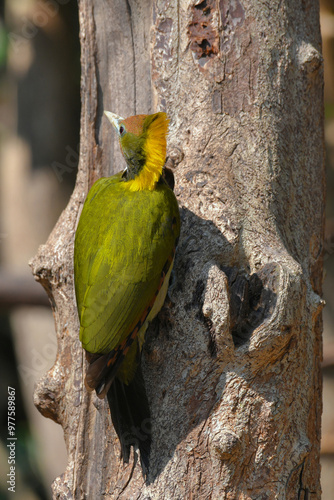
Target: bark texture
232	367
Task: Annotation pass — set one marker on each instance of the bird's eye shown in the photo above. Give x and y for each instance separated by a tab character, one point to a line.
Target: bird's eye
121	130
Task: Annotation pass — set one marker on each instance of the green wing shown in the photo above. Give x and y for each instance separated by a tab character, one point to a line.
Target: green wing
122	243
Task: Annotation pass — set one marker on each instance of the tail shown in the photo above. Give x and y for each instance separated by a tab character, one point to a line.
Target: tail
130	414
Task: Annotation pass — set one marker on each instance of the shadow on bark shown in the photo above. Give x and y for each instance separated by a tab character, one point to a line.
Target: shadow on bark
251	300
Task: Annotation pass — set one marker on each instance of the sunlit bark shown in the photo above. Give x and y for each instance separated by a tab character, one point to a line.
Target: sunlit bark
232	366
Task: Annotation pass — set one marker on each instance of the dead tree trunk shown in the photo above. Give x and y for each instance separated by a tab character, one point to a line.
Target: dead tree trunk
232	369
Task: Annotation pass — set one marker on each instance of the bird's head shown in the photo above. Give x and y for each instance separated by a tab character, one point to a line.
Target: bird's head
143	143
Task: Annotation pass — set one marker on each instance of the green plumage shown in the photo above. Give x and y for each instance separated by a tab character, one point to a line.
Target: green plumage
123	240
123	256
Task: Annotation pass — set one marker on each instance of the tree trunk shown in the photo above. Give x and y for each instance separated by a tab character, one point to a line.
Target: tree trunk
232	366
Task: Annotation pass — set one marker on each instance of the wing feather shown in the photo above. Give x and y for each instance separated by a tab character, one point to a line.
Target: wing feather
122	243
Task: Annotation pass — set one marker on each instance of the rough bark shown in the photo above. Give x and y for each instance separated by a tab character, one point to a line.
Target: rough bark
232	367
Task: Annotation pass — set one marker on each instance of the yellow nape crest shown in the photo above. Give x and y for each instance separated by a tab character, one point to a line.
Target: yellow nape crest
155	128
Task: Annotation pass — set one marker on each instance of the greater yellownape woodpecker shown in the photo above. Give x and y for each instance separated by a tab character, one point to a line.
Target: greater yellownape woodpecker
123	256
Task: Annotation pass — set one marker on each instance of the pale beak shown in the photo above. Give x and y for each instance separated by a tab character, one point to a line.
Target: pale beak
114	119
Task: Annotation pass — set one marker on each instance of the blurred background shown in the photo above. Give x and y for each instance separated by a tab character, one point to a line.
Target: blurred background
39	137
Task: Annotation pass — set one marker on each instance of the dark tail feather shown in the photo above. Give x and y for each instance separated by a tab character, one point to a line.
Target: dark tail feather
130	414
